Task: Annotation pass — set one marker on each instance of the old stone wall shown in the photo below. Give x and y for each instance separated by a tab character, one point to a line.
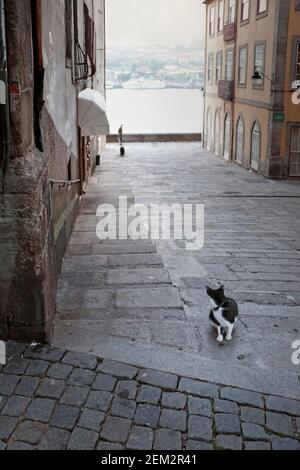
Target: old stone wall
113	138
27	271
37	217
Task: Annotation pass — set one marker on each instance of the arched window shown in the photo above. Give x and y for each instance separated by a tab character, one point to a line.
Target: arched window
208	130
255	146
217	133
240	140
227	132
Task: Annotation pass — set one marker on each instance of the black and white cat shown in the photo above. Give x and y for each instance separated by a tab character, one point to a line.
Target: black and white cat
224	315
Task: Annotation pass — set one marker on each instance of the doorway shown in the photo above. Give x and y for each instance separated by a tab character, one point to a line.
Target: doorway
227	136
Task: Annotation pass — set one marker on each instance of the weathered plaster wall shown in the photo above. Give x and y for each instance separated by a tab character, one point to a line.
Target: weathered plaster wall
59	122
27	273
36	220
59	92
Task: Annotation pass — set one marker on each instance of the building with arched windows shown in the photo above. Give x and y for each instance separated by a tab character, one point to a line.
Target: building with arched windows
252	72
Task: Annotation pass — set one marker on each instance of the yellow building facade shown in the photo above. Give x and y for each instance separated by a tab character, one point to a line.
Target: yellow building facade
251	116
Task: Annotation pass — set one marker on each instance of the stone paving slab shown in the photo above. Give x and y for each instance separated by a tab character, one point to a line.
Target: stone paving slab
148	298
135	408
135	260
85	263
87	299
129	330
77	280
138	276
123	249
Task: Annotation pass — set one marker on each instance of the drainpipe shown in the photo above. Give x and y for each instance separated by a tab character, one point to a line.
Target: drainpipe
38	96
4	97
235	61
205	75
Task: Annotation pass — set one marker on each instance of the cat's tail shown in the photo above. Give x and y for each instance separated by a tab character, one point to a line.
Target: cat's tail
239	319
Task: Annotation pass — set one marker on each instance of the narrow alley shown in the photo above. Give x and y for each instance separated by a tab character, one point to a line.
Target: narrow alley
134	363
149	175
145	303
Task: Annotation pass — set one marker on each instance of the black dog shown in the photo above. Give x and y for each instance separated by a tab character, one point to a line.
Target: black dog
122	151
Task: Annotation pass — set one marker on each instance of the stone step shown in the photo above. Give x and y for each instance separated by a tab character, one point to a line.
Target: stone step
199	297
157	314
176	334
187	364
131	261
77	279
78	298
90	238
138	276
148	298
127	249
106	249
85	264
91	299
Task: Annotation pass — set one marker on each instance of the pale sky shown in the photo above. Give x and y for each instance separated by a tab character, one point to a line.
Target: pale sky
155	22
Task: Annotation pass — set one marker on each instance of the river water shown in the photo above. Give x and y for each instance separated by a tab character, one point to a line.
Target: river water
155	111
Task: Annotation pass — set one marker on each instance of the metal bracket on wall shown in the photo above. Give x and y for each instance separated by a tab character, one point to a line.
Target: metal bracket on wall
62	184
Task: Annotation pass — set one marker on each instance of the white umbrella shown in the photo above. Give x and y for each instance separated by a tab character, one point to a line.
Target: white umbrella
92	113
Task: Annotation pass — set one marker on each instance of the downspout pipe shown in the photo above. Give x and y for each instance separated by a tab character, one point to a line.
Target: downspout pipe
4	99
205	80
235	79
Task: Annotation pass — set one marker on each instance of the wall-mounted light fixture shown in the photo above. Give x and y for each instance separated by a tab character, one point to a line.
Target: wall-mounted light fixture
258	76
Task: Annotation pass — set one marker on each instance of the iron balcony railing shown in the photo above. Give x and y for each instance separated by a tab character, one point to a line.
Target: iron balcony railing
81	69
226	90
84	65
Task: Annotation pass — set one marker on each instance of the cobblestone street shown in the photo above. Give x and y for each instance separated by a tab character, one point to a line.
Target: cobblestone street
145	303
54	399
150	270
162	381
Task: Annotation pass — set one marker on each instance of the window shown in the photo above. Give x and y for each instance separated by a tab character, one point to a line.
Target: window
217	133
212	12
262	6
220	16
219	60
255	146
231	12
69	36
295	152
89	34
259	61
38	73
297	74
242	72
229	65
227	137
210	64
245	9
240	139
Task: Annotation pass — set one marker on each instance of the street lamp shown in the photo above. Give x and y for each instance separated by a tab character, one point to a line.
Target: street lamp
258	76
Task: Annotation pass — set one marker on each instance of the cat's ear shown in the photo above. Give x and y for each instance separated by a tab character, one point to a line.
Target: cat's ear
222	287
